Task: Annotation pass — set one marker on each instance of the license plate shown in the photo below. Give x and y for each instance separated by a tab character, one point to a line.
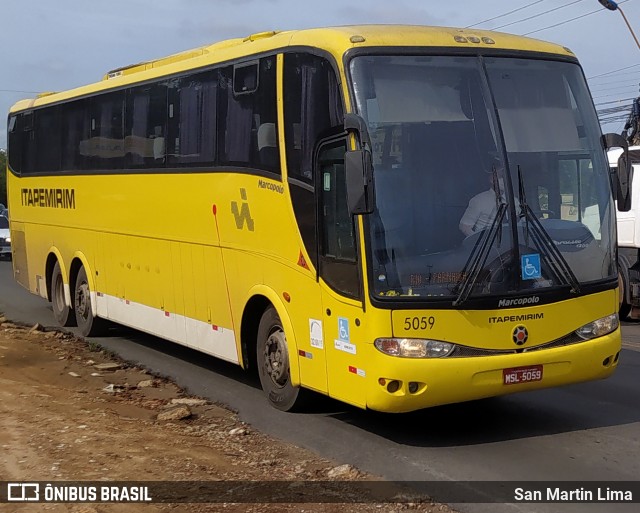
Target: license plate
517	375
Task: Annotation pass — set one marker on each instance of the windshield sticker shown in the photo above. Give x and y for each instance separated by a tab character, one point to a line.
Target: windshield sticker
530	265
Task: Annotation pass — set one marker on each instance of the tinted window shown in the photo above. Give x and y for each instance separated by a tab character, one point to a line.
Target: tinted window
145	127
15	142
192	120
75	126
312	106
47	135
248	130
105	147
28	140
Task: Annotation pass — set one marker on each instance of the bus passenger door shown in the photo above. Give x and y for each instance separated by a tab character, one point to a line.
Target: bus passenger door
339	277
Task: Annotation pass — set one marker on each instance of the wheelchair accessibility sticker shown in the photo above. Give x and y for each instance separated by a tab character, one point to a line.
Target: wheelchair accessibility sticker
343	343
530	265
343	329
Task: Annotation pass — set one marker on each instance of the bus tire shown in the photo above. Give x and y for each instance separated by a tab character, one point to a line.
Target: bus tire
625	308
89	325
65	315
273	363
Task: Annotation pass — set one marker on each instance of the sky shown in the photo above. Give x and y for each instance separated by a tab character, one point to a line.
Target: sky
50	45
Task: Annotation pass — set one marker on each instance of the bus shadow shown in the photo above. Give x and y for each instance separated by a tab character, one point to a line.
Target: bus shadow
567	409
593	405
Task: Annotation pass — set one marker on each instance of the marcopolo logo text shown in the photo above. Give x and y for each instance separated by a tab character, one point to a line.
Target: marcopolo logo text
531	300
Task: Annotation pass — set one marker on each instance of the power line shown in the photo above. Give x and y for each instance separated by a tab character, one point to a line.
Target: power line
619	74
18	91
614	71
609	89
611	95
569	20
505	14
615	101
538	15
617	82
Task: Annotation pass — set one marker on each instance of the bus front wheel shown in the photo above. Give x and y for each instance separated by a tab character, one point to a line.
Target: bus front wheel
89	325
273	363
625	308
64	315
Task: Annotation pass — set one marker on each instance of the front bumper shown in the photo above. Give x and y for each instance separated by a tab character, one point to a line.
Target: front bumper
451	380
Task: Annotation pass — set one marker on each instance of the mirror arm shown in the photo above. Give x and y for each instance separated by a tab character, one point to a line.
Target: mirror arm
355	123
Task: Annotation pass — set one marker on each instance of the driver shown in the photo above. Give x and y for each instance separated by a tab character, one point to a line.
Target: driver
483	206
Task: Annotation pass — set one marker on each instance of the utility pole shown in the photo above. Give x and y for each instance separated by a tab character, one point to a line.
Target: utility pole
632	127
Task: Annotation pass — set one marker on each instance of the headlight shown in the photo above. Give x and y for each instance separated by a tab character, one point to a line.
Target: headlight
8	239
599	328
414	347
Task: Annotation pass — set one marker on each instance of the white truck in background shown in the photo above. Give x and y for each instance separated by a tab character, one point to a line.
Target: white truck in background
629	240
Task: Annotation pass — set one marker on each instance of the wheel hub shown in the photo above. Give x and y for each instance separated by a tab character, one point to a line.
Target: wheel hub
82	300
276	358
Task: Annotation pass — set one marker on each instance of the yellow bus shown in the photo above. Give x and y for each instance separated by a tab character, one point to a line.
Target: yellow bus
394	216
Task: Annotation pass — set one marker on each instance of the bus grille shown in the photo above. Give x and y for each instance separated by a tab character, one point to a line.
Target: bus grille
468	352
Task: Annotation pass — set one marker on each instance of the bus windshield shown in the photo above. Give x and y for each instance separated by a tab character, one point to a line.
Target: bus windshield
490	177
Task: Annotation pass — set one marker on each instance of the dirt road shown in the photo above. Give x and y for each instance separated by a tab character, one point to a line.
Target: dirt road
71	411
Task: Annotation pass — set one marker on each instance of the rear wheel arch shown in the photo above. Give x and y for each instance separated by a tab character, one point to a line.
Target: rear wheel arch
54	257
52	260
253	312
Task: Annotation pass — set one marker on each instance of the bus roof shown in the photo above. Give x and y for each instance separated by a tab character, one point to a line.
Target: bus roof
335	40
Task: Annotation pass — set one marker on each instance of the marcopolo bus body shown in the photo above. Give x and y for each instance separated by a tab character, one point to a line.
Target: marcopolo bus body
303	203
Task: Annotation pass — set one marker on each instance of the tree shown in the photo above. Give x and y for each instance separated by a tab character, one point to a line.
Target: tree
3	177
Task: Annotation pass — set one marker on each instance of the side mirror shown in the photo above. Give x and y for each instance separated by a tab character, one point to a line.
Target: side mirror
622	177
359	178
359	168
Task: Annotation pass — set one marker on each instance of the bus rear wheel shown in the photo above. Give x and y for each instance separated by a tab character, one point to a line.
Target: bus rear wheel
89	325
273	363
65	316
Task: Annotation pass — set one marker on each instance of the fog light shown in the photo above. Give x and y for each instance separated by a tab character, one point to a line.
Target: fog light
413	387
393	386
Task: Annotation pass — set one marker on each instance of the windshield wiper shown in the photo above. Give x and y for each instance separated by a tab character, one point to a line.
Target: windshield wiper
478	257
551	256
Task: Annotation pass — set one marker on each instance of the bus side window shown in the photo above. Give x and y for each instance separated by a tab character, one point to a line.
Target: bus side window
312	106
248	116
105	147
191	139
338	262
75	135
29	149
48	137
145	126
14	137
